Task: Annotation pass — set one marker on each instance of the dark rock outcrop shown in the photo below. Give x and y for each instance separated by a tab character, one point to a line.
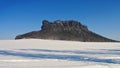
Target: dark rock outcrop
65	30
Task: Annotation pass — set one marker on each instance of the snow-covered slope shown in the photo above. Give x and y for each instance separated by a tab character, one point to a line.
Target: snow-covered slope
37	53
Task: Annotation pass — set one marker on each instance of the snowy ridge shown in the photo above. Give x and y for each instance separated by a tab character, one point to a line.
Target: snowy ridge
35	53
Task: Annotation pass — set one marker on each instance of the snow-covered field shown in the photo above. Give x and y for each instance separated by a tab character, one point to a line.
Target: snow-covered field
34	53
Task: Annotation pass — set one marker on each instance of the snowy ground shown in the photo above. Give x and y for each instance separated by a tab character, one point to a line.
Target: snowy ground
35	53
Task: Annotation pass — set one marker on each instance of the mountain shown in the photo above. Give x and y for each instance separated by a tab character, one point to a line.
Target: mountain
65	30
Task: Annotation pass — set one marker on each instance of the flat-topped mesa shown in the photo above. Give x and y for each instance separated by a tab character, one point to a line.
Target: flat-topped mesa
65	30
63	25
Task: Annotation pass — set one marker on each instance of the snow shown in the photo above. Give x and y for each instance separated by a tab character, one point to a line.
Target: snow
38	53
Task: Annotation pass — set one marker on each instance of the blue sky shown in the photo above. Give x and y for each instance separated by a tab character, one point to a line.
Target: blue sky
21	16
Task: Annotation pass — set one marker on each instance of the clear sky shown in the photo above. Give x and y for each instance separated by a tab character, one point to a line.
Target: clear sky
21	16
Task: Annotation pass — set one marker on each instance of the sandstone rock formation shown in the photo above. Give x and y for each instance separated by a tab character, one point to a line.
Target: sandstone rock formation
65	30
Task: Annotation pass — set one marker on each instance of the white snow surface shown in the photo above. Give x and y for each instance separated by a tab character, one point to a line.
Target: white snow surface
39	53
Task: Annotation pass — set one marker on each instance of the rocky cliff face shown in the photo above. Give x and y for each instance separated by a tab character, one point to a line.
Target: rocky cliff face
65	30
63	26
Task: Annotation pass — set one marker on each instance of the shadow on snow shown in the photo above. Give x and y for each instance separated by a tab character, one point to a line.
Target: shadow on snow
59	57
104	51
